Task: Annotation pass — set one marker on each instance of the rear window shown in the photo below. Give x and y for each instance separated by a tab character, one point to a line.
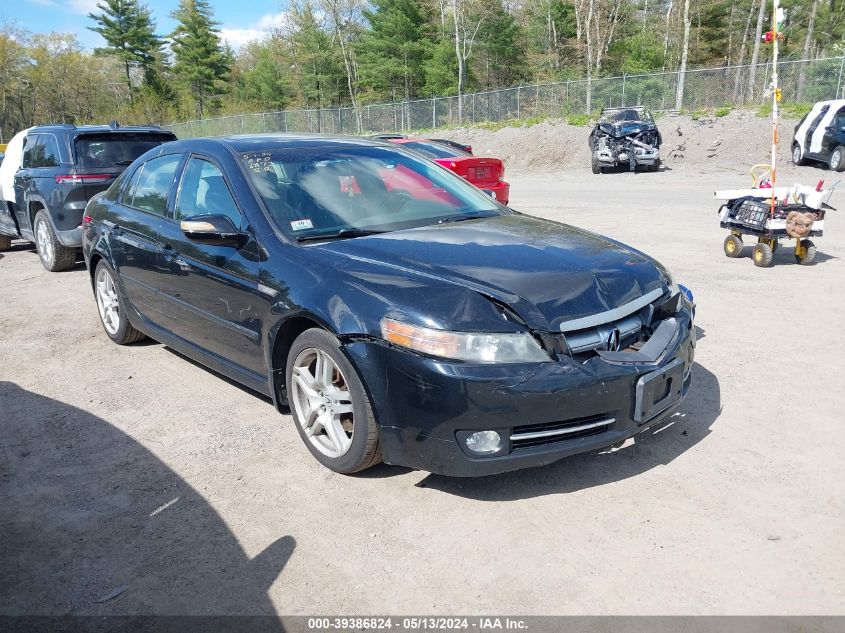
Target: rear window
432	150
115	150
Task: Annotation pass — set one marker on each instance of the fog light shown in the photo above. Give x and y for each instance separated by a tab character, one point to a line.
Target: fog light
484	442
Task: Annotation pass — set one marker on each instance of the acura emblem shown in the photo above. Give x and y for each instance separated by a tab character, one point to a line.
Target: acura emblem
613	340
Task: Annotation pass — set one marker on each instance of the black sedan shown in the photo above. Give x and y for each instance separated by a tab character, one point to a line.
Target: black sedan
399	313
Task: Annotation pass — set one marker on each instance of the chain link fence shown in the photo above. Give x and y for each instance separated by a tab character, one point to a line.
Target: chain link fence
801	81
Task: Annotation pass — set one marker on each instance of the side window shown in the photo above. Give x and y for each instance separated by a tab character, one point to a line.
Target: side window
839	121
204	192
30	155
154	182
127	189
50	156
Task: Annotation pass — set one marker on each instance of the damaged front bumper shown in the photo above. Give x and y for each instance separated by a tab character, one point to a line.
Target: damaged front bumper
641	156
426	408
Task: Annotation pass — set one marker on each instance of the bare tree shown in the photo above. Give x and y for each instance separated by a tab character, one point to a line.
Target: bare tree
466	25
344	16
808	41
742	45
755	56
682	73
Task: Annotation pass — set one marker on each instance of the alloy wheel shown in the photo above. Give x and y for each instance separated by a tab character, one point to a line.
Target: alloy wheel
107	302
796	154
44	243
836	159
322	401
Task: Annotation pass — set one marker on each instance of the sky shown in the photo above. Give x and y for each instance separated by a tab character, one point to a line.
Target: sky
240	20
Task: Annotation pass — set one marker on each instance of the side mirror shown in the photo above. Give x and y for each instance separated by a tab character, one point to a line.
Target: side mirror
216	230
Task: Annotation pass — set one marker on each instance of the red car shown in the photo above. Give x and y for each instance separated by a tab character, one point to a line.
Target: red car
484	173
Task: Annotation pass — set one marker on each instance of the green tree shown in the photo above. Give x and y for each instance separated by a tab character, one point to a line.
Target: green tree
392	54
501	59
129	32
200	61
318	70
265	82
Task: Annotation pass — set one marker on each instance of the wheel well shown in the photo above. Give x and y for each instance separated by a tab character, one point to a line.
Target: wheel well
34	207
95	258
281	347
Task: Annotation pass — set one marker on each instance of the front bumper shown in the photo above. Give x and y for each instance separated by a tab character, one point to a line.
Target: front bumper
424	406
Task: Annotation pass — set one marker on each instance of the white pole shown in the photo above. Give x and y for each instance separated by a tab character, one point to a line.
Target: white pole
775	100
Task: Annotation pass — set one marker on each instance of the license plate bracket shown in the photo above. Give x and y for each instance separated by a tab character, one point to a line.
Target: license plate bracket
658	390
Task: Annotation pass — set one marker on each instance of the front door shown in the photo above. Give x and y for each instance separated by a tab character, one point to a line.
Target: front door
209	293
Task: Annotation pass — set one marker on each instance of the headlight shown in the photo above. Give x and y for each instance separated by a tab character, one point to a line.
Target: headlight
473	347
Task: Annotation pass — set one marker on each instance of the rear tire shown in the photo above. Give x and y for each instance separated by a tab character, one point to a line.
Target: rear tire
111	307
733	246
797	155
54	256
809	253
328	402
837	159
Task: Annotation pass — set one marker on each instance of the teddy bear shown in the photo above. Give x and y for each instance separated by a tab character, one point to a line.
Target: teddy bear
799	224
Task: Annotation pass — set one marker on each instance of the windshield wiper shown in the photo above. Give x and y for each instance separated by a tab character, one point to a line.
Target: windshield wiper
460	218
337	235
123	162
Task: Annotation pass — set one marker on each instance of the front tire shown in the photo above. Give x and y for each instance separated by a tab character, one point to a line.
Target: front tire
762	255
5	242
596	166
837	159
54	256
733	246
110	307
329	404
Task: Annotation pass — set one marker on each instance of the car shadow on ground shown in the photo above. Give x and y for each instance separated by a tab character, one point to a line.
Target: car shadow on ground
94	524
655	447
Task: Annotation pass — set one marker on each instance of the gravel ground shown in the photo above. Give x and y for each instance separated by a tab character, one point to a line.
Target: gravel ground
133	481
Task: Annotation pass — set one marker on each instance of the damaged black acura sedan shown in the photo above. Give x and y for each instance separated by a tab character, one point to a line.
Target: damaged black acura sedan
401	314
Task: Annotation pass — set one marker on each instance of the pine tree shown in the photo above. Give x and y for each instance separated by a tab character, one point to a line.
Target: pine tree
200	60
393	52
129	31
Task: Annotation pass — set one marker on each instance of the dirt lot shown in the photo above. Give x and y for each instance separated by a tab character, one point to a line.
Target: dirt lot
133	481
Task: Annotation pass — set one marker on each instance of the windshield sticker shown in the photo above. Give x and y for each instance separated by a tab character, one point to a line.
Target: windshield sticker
301	225
259	163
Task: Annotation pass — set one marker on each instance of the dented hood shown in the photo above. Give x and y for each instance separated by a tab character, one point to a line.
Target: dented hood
549	273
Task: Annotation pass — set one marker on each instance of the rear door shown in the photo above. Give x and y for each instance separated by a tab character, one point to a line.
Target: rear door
134	230
834	135
209	293
34	182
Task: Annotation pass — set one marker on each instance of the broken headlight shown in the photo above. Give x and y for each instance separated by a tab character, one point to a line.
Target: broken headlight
471	347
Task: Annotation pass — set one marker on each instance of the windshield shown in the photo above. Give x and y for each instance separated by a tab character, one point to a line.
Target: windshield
115	150
430	149
628	114
338	191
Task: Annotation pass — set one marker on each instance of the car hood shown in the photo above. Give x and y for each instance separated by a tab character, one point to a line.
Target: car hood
547	272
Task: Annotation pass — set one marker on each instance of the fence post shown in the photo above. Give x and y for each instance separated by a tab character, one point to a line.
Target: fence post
434	113
518	99
839	80
623	89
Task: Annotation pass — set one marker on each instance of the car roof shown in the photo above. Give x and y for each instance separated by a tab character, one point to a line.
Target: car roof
257	142
70	128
